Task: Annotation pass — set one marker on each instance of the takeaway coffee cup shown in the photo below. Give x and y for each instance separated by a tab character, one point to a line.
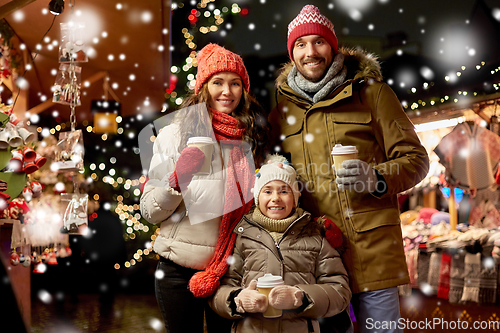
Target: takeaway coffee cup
343	153
206	145
264	285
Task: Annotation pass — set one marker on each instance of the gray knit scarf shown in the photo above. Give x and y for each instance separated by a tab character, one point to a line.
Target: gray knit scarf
316	91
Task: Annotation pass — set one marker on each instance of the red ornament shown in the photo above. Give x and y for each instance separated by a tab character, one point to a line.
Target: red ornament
173	83
52	259
14	259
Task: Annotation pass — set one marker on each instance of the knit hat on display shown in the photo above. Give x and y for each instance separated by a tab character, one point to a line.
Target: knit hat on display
214	59
311	22
276	167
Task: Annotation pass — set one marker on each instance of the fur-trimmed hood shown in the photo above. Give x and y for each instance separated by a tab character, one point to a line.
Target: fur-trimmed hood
360	65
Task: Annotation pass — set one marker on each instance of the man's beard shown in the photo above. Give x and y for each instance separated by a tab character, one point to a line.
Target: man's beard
315	77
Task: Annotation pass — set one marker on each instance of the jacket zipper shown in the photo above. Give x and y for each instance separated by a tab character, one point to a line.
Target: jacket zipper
279	252
176	226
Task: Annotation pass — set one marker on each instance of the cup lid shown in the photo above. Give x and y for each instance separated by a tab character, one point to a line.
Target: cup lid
269	281
200	139
344	150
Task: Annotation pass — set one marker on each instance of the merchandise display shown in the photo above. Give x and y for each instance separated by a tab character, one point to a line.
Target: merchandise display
453	252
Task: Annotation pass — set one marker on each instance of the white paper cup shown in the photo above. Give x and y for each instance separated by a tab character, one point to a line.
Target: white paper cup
264	285
206	145
343	153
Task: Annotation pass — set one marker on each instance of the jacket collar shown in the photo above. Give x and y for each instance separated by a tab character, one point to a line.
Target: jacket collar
246	223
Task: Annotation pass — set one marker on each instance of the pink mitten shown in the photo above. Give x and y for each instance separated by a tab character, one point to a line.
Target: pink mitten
189	163
285	297
250	300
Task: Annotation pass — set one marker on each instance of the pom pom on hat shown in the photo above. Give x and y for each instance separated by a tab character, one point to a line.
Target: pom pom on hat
276	167
311	22
214	59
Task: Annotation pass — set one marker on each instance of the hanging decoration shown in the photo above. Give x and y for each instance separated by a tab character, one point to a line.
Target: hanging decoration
67	85
72	48
70	151
75	218
10	58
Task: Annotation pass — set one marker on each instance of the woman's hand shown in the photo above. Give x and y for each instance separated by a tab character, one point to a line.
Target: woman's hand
189	163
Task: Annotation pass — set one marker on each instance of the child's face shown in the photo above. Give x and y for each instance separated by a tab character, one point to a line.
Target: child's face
276	200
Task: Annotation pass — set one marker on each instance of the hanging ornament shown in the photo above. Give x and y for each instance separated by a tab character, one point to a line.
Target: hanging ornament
27	194
173	83
36	187
70	151
72	48
67	85
40	267
75	217
52	259
14	259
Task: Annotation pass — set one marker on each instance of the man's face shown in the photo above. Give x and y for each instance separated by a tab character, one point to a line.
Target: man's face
313	56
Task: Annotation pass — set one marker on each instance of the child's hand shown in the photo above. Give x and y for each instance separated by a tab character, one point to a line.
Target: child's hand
250	300
333	234
286	297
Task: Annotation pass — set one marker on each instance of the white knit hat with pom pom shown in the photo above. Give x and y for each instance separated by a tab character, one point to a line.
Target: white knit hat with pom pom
276	167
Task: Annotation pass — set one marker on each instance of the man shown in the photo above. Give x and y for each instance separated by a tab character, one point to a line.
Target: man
328	96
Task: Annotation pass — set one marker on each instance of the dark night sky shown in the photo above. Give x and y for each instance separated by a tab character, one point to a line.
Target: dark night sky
427	21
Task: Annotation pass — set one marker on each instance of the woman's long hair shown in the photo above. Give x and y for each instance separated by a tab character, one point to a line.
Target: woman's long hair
249	113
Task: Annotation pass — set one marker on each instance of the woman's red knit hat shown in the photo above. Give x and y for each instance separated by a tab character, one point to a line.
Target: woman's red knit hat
214	59
311	22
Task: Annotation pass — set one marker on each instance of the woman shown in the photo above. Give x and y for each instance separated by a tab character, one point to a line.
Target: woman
189	206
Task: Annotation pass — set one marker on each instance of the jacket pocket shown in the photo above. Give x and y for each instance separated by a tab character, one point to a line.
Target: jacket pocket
374	218
352	117
354	127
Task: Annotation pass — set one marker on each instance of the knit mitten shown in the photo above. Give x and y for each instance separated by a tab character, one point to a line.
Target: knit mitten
189	163
286	297
359	176
333	234
250	300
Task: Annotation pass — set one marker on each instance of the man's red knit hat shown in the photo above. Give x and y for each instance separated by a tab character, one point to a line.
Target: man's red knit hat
311	22
214	59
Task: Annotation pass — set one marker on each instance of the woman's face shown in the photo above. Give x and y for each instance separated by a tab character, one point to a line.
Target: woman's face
225	89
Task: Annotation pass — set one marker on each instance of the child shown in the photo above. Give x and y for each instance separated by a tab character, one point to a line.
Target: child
279	238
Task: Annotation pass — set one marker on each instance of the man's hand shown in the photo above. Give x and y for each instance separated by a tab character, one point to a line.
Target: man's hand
356	175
